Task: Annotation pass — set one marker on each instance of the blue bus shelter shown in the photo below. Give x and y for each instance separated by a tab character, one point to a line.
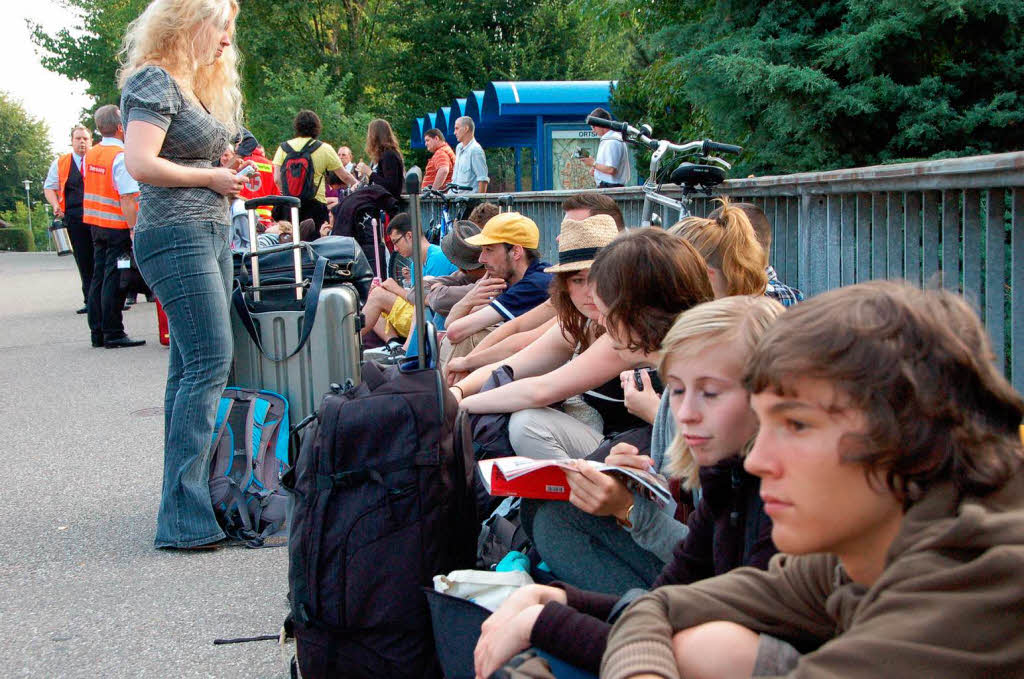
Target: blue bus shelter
544	116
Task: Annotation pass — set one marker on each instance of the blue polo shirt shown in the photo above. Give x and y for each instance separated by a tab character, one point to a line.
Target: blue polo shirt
528	292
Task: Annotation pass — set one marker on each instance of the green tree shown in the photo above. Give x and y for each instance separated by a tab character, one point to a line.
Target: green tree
25	153
292	89
89	52
809	85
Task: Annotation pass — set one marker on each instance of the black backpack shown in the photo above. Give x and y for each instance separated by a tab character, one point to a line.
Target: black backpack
381	505
297	171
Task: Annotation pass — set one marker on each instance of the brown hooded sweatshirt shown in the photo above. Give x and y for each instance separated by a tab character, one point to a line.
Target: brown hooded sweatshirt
949	603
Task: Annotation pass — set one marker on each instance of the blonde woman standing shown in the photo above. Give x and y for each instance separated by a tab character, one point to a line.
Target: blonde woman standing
181	105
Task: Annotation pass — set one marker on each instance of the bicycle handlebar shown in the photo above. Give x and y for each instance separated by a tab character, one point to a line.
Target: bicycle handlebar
643	136
610	124
719	147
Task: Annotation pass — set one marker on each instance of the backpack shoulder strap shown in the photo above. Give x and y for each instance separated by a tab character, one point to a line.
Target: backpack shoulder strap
287	148
221	462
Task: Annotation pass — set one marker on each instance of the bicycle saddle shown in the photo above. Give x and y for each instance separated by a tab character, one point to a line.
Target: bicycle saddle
692	174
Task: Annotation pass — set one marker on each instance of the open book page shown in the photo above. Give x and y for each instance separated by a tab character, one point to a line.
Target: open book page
514	467
652	486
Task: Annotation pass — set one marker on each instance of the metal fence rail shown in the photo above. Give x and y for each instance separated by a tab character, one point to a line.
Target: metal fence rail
956	224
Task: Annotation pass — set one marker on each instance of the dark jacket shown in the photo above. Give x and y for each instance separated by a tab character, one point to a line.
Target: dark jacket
349	219
728	529
390	173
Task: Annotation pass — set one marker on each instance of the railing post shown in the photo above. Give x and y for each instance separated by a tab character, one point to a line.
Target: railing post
812	239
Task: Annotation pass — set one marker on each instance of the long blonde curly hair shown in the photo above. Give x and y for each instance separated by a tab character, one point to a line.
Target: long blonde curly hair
168	34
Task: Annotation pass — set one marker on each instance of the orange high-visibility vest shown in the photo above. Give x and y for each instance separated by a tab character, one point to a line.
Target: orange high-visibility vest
63	172
102	203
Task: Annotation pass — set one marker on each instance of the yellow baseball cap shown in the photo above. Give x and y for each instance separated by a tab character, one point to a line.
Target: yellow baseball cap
508	227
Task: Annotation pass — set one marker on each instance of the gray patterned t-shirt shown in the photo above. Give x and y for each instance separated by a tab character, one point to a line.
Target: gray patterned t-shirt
193	138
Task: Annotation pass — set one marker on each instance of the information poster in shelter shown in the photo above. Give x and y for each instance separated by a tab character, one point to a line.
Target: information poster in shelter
569	145
567	148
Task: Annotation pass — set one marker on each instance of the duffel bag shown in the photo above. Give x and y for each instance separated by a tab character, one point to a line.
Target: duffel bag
346	263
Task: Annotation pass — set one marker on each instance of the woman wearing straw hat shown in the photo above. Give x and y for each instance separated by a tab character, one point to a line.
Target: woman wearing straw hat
570	362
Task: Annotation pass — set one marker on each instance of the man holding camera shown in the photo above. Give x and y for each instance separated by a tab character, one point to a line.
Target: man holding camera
611	165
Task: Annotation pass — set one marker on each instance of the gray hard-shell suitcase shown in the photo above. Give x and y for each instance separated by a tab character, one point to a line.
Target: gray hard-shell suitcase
299	366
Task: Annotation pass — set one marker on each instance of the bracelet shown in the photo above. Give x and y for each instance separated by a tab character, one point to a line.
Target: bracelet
462	394
626	523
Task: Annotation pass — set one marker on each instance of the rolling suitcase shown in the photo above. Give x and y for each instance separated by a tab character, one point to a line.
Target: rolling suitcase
294	337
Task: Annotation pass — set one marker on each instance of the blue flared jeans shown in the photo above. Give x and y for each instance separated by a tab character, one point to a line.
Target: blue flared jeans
189	268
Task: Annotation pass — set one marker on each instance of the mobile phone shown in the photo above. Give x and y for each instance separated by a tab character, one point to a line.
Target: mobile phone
245	171
638	379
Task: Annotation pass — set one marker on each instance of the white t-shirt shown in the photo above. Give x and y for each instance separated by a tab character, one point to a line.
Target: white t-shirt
612	151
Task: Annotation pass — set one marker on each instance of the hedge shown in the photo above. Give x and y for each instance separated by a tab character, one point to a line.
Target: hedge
17	240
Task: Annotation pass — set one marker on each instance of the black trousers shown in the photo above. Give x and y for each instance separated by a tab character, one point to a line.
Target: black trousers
106	299
81	241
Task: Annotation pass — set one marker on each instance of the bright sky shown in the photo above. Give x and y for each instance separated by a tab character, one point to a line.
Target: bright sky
45	95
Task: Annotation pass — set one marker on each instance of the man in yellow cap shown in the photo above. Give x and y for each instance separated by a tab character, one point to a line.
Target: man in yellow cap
508	243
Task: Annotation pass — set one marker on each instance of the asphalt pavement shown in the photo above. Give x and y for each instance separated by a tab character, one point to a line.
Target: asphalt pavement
83	592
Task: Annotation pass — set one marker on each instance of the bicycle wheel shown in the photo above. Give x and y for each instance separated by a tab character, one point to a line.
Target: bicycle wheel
395	265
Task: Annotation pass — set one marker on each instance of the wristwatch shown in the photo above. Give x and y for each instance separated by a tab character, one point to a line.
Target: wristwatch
626	523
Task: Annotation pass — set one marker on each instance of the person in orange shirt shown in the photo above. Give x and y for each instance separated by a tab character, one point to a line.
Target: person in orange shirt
109	208
439	167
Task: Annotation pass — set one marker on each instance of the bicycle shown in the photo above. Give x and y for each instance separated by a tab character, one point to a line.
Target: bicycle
697	177
441	220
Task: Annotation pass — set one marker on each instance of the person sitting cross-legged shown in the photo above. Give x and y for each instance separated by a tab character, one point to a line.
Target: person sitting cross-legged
389	310
508	244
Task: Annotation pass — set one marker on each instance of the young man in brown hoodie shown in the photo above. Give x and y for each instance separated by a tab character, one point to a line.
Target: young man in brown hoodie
889	455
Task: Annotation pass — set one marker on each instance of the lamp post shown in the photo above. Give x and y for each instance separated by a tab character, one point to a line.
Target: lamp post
49	233
28	202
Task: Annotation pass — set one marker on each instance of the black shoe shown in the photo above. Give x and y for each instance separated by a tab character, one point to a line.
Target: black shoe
126	307
97	343
122	342
83	310
128	301
150	298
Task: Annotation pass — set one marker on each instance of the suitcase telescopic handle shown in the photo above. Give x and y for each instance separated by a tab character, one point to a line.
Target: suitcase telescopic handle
412	187
273	201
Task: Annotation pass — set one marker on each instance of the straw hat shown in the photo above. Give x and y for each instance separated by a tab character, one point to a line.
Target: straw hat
580	241
457	250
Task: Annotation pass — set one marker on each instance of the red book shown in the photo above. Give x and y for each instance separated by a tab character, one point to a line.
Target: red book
546	479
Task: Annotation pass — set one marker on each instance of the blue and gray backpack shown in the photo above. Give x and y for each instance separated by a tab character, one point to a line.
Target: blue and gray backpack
250	452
